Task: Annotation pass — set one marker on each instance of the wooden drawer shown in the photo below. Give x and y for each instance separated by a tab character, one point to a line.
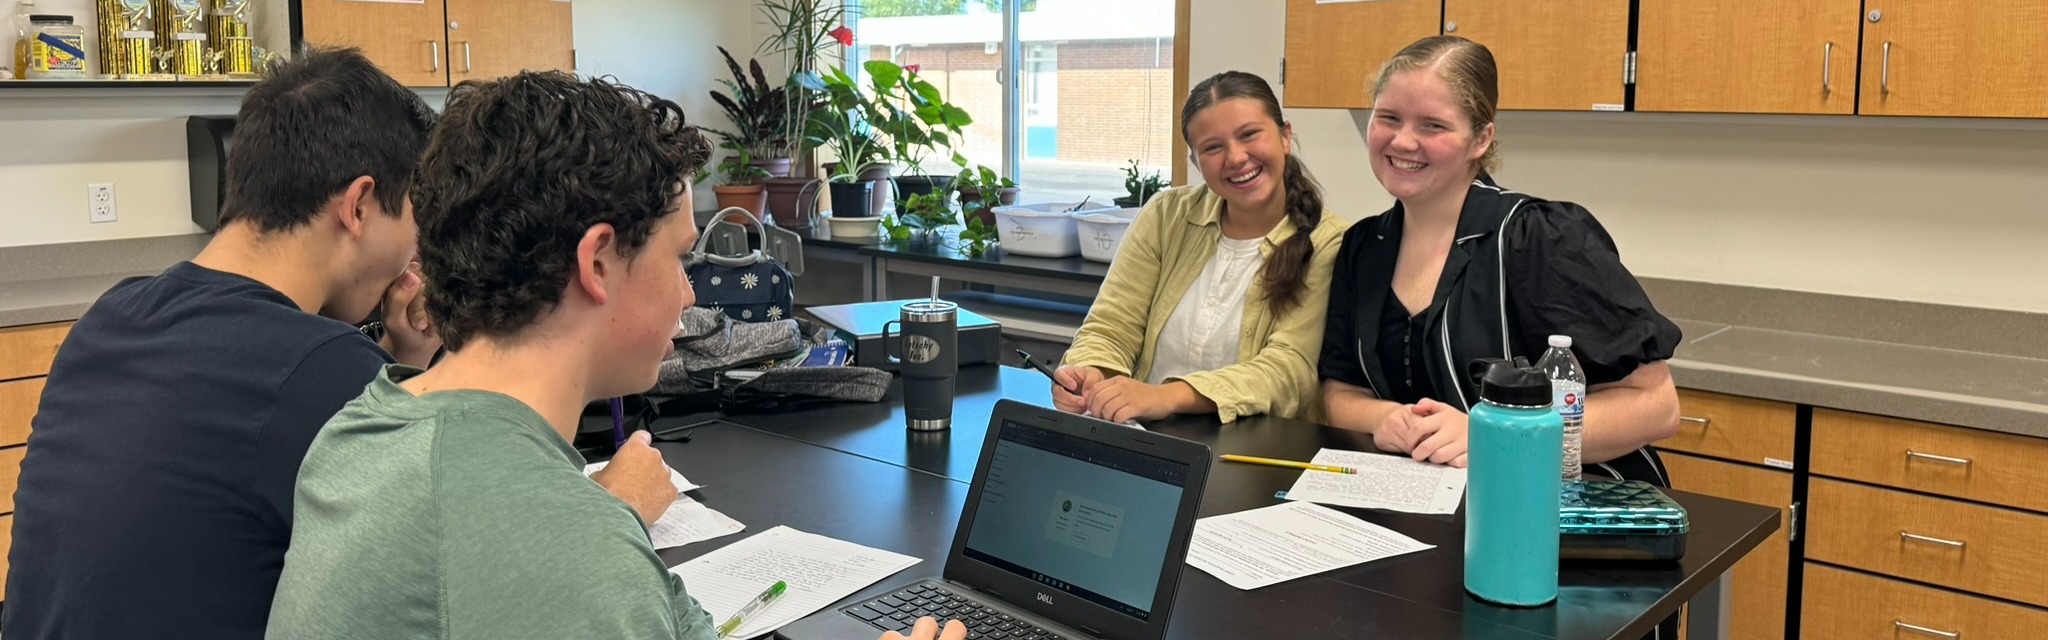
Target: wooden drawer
27	351
18	400
1759	602
1734	428
10	476
1988	550
1846	605
1977	465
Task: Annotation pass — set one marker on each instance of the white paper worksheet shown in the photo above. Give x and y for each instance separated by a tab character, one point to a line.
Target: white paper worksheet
689	521
1386	482
674	476
1252	549
819	570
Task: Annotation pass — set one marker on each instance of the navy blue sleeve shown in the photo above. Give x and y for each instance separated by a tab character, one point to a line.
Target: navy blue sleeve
1339	358
331	375
1565	277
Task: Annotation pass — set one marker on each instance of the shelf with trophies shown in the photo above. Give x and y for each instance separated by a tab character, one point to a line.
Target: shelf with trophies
144	42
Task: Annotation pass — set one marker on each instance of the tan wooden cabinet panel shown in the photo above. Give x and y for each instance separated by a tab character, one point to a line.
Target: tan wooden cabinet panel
1734	428
1982	58
1846	605
18	400
1748	56
1989	550
1334	50
496	38
26	351
1561	55
1760	581
408	41
1986	466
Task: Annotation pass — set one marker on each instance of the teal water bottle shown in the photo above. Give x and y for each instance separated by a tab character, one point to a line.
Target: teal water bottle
1511	523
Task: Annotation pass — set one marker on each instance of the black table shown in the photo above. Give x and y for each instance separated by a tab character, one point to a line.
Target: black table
1595	601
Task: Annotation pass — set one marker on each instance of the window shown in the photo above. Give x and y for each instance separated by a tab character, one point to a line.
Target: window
1095	90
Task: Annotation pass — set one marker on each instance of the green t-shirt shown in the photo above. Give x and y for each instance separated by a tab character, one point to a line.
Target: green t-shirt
462	514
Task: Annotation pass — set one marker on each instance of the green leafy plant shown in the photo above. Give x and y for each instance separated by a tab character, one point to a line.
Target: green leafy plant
738	169
981	187
914	114
801	32
920	213
759	111
1141	187
840	124
977	237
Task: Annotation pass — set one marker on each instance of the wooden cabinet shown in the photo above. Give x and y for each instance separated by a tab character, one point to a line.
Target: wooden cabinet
1748	56
25	356
1980	58
440	42
1562	55
1846	605
1760	580
26	351
1988	550
1985	466
1734	428
1334	50
408	41
496	38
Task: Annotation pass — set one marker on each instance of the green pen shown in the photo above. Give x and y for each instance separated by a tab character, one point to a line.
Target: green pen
760	602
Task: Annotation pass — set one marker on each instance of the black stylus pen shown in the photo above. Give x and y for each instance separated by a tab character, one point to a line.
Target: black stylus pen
1042	368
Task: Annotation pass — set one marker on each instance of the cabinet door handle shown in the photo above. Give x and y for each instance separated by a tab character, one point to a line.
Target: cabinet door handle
1911	454
434	56
1884	72
1827	66
1702	422
1931	540
1920	629
468	65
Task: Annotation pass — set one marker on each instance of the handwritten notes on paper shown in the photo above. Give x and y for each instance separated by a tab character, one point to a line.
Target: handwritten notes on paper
819	570
689	521
1261	547
1386	482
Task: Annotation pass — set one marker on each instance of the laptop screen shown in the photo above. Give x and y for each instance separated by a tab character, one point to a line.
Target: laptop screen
1083	517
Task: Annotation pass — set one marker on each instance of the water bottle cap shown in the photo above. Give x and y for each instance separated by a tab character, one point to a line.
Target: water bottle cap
1561	342
1511	384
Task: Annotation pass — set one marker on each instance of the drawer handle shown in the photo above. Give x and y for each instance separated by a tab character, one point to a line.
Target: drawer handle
1910	454
1702	422
1920	629
1951	543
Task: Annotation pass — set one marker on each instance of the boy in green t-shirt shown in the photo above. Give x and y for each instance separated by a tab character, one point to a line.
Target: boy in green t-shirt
554	218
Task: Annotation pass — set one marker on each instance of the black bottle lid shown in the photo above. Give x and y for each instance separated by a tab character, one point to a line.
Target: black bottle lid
1511	384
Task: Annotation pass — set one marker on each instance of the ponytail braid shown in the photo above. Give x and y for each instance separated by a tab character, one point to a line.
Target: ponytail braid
1284	277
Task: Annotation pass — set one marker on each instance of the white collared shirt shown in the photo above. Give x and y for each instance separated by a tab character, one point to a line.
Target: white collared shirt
1203	331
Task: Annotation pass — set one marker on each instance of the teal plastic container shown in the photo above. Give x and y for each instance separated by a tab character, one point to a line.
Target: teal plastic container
1511	502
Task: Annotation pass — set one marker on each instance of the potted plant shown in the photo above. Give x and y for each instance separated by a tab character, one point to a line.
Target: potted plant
840	126
982	190
800	32
920	218
758	111
977	237
918	121
1141	187
741	185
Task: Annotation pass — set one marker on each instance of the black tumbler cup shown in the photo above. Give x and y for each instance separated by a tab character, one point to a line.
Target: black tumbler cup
927	352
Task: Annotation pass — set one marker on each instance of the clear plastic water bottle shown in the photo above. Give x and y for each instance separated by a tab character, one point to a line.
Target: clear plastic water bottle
1568	397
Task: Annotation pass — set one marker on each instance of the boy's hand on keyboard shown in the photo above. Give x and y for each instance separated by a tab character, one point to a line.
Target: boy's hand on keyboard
928	629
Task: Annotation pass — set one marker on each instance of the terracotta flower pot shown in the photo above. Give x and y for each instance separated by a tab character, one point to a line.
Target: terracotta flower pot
752	197
1007	195
791	200
776	167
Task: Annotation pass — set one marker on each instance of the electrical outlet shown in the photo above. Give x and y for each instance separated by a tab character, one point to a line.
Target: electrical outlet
99	200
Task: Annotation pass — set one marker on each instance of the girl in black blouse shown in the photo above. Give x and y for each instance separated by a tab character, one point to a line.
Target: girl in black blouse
1462	268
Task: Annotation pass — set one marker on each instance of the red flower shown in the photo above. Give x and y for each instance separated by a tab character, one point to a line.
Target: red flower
912	68
843	35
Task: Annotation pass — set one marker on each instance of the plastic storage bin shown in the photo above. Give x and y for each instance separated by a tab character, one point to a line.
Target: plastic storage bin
1046	230
1103	233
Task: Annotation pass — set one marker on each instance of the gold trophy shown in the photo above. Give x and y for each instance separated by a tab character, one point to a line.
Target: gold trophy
230	49
128	45
181	28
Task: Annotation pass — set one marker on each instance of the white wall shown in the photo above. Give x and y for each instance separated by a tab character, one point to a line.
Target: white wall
1941	211
55	142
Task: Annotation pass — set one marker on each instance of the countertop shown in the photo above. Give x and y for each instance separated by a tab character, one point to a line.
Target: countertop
54	299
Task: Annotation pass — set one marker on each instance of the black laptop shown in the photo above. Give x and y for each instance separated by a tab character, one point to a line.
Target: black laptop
1073	528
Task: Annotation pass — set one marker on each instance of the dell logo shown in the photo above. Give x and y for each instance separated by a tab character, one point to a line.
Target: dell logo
1045	598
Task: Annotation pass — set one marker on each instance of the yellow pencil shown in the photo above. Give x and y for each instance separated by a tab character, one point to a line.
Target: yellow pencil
1231	457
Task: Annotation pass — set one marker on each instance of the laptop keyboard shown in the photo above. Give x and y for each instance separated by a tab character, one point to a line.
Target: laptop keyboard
900	610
